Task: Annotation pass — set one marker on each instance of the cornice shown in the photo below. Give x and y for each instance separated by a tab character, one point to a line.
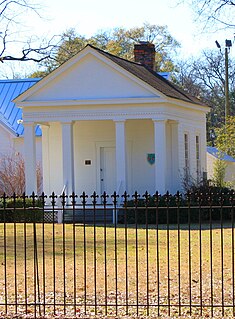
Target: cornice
81	103
104	114
91	102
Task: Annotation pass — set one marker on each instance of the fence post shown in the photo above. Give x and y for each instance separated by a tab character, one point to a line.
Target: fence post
59	216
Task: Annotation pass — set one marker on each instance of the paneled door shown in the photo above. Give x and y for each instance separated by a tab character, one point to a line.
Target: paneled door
107	170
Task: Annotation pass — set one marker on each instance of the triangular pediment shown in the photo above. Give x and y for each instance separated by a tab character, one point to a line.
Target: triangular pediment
88	76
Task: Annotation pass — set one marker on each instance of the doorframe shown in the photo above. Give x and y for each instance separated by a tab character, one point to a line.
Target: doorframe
98	146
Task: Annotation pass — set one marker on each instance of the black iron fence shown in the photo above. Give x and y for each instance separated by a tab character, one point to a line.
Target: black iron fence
118	255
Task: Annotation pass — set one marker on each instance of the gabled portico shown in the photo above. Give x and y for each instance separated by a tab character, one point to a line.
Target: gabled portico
98	132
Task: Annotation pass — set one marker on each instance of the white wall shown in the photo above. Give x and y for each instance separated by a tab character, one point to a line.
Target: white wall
193	129
9	144
6	142
52	159
86	136
112	83
230	173
141	134
18	143
89	136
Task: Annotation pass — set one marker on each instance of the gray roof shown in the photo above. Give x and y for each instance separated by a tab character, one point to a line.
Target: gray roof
157	81
9	113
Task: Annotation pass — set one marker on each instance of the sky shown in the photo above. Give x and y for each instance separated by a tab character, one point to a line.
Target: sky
88	17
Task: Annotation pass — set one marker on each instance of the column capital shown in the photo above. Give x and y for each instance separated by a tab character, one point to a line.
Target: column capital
44	124
66	122
119	120
160	120
173	122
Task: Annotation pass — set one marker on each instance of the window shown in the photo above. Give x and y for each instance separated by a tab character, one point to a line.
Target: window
186	154
198	164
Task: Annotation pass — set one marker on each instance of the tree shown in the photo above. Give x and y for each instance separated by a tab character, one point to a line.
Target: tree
219	169
10	11
204	78
225	137
120	42
215	14
12	175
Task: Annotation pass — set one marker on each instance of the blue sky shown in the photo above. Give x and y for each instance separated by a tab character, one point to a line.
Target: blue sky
91	16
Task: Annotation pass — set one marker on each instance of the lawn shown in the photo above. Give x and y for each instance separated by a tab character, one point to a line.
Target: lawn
95	269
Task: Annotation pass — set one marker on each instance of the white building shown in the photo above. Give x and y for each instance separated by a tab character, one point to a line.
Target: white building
11	128
213	155
111	124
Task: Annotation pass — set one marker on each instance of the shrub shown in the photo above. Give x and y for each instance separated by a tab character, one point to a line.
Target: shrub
12	175
20	211
203	204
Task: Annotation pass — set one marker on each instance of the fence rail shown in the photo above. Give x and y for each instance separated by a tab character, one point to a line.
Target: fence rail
150	255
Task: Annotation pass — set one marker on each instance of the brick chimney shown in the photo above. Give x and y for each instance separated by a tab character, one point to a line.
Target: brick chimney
144	53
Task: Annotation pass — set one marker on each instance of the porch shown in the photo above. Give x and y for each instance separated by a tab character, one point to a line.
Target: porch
107	155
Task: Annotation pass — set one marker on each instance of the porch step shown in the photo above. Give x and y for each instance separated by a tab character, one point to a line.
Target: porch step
78	216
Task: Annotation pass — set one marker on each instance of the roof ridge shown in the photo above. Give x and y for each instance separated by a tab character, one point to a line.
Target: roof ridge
19	80
114	56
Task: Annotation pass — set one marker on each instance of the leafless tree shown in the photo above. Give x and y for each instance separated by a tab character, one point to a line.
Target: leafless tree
203	77
215	14
11	13
12	175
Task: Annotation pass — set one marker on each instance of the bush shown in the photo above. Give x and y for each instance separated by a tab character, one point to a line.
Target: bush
154	212
16	210
12	175
203	204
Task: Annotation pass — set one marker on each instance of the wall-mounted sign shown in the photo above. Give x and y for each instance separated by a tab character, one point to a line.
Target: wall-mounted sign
151	158
87	162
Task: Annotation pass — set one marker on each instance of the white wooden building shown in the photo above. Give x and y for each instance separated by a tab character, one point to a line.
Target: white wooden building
111	124
11	128
213	155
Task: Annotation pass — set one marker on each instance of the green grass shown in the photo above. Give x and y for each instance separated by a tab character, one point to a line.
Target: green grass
166	276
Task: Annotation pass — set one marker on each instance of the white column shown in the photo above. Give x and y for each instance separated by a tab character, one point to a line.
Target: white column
46	159
192	153
121	169
68	157
203	150
181	152
30	158
175	160
160	155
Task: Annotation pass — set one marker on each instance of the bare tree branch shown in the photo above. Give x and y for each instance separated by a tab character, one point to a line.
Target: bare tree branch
213	13
10	12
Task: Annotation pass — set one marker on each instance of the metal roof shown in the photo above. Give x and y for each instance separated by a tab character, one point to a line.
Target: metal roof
220	155
9	113
165	75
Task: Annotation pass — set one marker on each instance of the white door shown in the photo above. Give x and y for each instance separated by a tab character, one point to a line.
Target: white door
107	170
